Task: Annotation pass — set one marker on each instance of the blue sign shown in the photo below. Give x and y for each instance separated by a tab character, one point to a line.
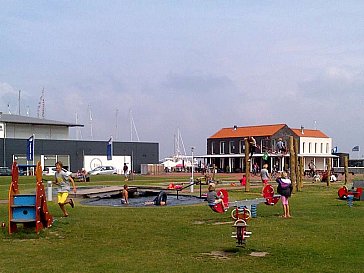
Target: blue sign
109	150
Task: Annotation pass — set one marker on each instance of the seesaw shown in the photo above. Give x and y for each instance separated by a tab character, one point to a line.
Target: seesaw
243	211
269	198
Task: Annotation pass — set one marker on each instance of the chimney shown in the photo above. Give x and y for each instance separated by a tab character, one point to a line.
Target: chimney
235	127
302	130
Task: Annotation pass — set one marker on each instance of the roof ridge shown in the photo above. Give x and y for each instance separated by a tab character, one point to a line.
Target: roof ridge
265	125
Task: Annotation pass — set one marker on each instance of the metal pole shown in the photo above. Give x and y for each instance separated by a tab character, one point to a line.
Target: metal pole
192	169
49	191
33	153
200	190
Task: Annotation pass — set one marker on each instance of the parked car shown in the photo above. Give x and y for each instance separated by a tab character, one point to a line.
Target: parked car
5	171
52	171
103	170
81	176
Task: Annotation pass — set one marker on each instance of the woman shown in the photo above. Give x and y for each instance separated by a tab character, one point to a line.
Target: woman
285	190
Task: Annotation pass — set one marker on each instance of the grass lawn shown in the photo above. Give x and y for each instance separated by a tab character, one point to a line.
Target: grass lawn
324	235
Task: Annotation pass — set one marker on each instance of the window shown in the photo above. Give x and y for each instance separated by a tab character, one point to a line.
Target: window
309	147
322	148
222	147
327	148
212	148
303	147
242	146
315	148
231	147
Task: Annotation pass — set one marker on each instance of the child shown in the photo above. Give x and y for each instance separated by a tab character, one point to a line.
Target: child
243	180
125	195
285	190
160	200
264	175
213	198
62	180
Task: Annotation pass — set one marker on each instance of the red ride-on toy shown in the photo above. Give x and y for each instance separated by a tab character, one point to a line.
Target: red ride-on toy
225	198
268	194
344	192
240	232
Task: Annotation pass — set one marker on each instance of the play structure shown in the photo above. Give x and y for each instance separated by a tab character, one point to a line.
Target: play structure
244	210
219	207
269	198
240	233
29	210
344	192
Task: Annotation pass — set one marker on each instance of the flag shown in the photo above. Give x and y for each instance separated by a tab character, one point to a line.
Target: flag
30	148
109	149
334	150
355	149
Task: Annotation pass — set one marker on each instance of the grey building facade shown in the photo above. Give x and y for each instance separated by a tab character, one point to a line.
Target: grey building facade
52	143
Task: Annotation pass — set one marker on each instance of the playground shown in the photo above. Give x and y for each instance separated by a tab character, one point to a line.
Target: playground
324	234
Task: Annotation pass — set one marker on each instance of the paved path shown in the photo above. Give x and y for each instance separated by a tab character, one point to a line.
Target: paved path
100	191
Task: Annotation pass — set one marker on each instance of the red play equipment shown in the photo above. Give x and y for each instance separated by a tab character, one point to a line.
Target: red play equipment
30	210
241	233
269	198
242	213
268	194
344	192
225	199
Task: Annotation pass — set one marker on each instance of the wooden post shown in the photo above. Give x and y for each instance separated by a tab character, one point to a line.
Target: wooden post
301	170
346	168
247	165
328	171
292	163
297	165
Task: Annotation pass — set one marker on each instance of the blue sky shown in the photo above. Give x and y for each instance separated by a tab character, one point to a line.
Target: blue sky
193	65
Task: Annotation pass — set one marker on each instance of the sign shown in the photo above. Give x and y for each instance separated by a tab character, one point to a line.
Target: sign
30	148
109	149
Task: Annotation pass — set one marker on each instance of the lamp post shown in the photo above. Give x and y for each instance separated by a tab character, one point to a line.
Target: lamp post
192	169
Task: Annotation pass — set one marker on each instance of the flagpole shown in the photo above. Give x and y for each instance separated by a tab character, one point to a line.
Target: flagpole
33	153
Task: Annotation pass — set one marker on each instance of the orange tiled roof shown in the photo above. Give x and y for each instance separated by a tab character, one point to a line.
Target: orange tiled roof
309	133
260	130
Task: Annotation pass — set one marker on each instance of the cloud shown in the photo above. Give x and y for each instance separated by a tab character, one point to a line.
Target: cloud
9	98
332	83
198	83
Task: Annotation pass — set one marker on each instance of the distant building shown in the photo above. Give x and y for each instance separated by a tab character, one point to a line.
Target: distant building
226	148
52	143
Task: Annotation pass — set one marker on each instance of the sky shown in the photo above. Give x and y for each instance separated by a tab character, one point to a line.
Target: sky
192	67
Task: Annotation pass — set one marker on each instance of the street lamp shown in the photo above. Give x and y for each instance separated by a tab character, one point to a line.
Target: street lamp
192	169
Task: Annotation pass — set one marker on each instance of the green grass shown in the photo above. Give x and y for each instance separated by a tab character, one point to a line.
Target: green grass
324	235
